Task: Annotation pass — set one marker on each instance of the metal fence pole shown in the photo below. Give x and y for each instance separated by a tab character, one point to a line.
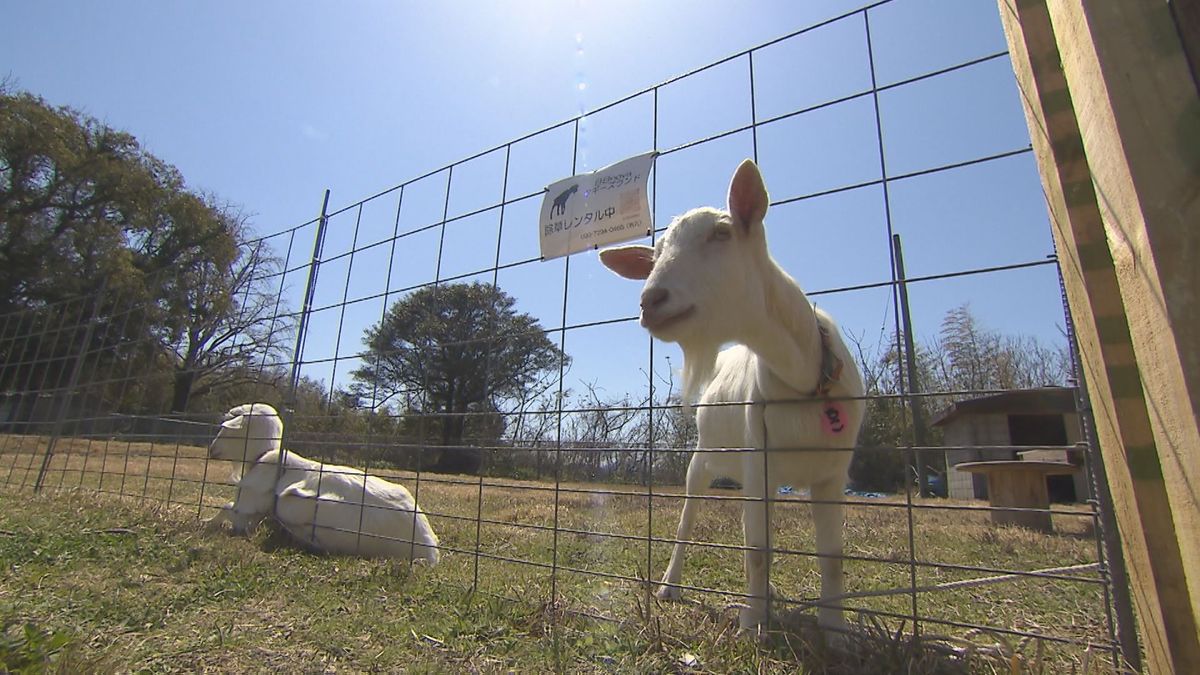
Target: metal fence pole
306	309
910	359
288	413
884	179
650	437
69	394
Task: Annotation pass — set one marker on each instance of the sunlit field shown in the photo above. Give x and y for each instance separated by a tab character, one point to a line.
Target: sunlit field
112	554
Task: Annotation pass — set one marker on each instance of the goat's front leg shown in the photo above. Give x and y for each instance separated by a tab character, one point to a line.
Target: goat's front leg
242	522
213	524
828	514
698	479
756	525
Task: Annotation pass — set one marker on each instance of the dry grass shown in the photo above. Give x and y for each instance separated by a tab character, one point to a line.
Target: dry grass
118	561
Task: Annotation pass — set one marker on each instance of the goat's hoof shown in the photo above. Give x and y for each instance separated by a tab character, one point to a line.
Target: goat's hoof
750	620
837	640
666	592
754	631
400	567
835	630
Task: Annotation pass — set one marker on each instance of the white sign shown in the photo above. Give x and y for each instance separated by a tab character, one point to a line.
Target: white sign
596	209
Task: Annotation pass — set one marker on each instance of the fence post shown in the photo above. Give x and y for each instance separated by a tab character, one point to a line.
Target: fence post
69	394
288	413
910	359
1106	521
309	290
1111	109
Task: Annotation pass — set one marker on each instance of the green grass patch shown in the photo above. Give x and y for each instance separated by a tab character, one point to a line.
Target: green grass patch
113	570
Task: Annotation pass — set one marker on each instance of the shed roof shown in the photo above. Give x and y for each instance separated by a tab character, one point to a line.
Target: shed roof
1042	401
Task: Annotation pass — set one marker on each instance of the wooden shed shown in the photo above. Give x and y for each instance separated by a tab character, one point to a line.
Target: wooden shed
1028	424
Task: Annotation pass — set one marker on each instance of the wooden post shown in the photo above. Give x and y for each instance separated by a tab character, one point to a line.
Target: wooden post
1187	20
1114	119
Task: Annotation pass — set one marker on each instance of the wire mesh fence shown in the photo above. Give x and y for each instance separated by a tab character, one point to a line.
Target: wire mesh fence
423	340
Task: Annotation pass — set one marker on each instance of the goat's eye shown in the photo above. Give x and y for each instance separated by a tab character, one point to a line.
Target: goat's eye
720	234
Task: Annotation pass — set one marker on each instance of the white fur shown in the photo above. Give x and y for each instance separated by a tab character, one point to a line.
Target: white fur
336	509
710	281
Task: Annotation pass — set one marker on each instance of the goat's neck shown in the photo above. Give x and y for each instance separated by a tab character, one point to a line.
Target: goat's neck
786	338
269	454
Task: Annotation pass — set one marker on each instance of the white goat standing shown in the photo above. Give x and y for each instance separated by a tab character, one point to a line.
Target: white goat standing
710	281
336	509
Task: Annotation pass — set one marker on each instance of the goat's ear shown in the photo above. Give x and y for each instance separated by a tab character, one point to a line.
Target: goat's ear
631	262
748	196
235	423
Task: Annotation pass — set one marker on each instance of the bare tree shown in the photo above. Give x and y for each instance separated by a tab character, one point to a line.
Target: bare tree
969	357
965	357
675	434
601	432
224	324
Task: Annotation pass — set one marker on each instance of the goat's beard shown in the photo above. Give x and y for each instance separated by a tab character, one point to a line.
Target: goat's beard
699	364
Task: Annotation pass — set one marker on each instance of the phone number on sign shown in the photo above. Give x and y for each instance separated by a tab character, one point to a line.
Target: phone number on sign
619	227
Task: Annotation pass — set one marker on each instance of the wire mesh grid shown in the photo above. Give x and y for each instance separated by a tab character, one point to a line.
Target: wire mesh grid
541	481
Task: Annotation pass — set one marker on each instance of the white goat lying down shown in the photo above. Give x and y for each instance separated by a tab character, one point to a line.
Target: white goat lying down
710	281
336	509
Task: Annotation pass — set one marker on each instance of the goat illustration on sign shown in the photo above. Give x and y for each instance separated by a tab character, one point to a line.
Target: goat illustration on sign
560	202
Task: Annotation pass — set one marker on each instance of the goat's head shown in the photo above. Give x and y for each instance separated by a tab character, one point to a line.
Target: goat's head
248	432
703	277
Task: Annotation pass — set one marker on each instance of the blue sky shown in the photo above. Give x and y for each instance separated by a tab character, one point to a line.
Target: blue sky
267	104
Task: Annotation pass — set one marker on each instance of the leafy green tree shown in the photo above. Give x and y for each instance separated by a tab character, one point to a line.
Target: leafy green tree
82	203
450	353
93	225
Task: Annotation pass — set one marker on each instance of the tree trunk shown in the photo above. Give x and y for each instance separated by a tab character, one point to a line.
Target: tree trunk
455	458
181	390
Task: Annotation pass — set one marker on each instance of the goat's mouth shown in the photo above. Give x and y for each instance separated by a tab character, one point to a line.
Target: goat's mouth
656	323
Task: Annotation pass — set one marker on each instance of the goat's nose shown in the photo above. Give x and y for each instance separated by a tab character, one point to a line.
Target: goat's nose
653	298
